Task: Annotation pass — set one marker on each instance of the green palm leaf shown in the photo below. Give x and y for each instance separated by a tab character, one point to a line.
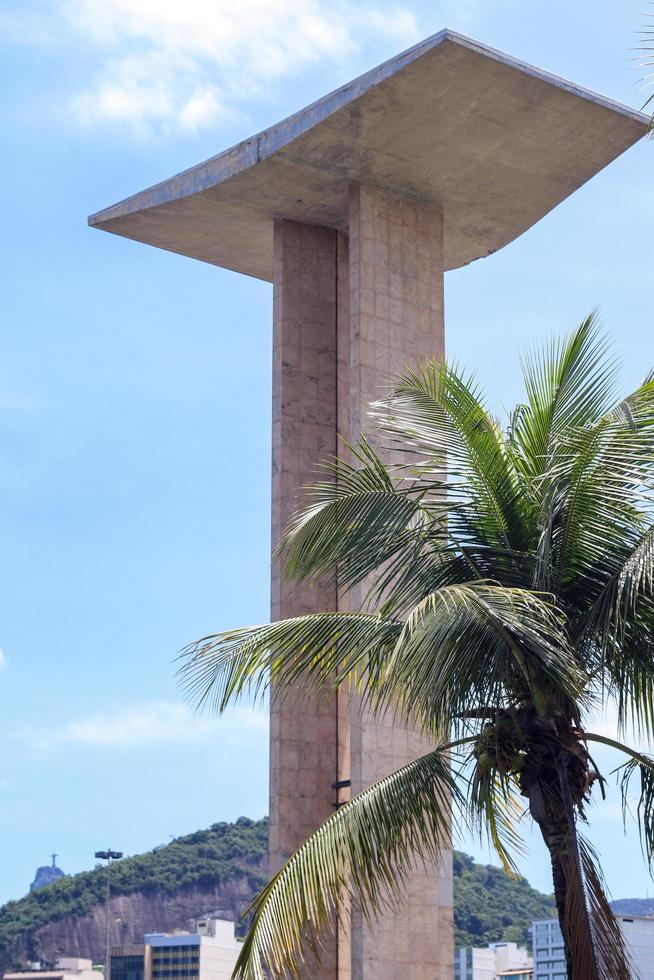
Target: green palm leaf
318	651
617	629
365	849
569	384
357	520
643	766
506	585
474	644
595	480
647	47
438	416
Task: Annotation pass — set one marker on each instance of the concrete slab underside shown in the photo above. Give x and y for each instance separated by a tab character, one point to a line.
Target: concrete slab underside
494	142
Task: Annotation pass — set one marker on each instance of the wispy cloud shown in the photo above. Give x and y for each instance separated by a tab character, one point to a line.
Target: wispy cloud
3	661
171	66
154	722
167	65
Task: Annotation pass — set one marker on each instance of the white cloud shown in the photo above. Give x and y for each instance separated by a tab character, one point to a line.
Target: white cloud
3	660
166	64
151	723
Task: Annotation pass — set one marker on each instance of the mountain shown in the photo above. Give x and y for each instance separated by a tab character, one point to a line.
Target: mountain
218	871
634	906
490	907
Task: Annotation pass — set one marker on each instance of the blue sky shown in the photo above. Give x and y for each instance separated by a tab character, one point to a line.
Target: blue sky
135	385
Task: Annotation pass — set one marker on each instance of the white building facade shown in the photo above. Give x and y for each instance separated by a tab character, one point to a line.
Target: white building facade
208	954
490	962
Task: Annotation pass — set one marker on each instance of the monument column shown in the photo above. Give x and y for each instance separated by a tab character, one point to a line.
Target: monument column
395	318
448	121
303	732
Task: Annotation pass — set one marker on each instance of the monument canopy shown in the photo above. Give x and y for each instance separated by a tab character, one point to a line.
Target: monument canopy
495	142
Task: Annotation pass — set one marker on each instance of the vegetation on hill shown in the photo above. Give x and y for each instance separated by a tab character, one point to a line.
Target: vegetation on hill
490	907
207	857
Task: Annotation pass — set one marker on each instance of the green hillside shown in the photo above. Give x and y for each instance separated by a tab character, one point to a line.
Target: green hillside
488	906
203	858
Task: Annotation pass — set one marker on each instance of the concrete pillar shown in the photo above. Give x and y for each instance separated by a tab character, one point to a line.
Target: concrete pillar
303	733
395	317
349	313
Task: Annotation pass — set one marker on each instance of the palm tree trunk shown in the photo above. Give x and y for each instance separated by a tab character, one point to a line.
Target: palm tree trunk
554	781
547	785
555	843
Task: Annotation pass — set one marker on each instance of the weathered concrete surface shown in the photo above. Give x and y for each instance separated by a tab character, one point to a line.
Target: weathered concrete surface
494	142
349	312
395	318
303	732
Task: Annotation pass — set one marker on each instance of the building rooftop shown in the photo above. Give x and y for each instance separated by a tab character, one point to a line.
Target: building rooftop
210	931
65	966
496	142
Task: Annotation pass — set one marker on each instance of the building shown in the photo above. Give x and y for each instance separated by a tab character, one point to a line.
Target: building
549	952
127	962
208	954
46	874
522	973
354	208
65	968
511	959
491	962
474	963
638	932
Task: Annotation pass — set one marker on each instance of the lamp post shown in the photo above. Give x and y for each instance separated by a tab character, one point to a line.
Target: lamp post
107	856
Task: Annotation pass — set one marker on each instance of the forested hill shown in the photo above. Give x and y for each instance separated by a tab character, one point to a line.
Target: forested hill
489	906
219	870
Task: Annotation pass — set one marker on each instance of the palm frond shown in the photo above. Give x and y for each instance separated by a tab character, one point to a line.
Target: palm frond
317	651
359	520
636	578
569	383
617	629
495	810
645	803
592	497
438	417
365	850
642	765
647	47
469	645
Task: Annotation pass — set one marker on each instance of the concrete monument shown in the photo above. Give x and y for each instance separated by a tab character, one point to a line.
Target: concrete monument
354	208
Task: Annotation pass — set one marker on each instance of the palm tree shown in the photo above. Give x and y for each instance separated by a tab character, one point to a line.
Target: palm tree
506	602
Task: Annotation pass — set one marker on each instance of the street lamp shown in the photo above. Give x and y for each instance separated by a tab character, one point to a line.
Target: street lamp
107	856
